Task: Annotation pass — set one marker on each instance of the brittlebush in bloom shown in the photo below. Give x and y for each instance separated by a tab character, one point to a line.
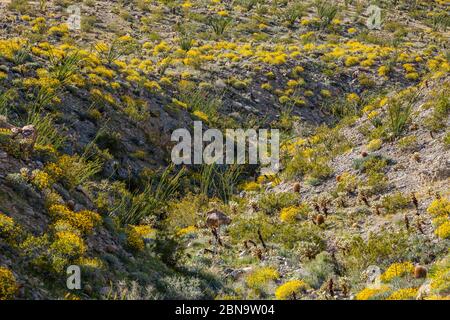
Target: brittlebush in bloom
291	214
368	293
66	247
404	294
40	179
374	144
8	285
443	231
251	186
439	207
260	277
397	270
136	235
440	277
201	115
353	98
9	230
187	230
290	289
83	221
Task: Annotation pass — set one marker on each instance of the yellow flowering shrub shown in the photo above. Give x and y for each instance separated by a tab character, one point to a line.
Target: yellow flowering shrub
8	285
325	93
368	293
443	231
66	247
290	289
412	76
53	170
269	177
83	221
93	263
76	170
383	71
440	277
353	98
266	86
251	186
374	144
439	220
59	30
40	179
179	103
152	86
102	97
260	277
404	294
136	235
439	207
292	213
399	269
9	230
104	72
347	182
187	230
201	115
284	99
351	61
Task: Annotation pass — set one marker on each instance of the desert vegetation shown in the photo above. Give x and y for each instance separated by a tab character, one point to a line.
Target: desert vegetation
359	210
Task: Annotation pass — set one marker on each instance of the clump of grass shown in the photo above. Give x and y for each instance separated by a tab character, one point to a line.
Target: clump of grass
248	4
48	134
440	21
78	169
186	37
22	55
398	116
200	100
5	98
327	11
87	23
63	68
219	181
132	208
42	5
22	6
118	48
292	13
218	24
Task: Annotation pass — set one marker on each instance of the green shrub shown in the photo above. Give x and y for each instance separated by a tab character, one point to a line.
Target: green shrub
320	269
380	249
408	143
307	238
371	163
272	203
395	202
437	120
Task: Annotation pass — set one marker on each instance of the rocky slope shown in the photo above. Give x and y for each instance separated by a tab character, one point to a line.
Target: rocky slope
359	210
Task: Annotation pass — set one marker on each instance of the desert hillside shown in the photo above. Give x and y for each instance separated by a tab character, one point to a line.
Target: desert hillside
91	92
